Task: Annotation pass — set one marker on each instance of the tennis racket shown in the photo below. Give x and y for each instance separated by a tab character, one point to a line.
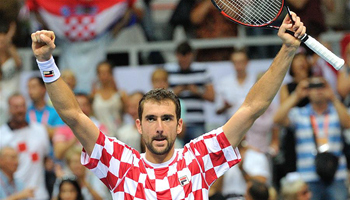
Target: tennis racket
262	13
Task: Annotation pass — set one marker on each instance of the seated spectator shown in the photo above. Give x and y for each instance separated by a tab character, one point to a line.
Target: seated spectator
108	101
92	188
294	188
11	188
31	140
209	23
64	138
69	189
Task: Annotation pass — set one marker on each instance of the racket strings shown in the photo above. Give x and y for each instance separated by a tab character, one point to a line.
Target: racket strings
251	12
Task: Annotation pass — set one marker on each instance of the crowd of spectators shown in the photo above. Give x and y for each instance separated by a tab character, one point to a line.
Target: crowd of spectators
40	157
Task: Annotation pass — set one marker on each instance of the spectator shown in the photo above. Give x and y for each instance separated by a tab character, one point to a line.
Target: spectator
63	138
294	188
31	140
108	101
317	124
11	187
10	65
228	99
257	191
128	133
299	70
193	85
69	189
40	111
254	166
91	187
210	24
69	77
84	31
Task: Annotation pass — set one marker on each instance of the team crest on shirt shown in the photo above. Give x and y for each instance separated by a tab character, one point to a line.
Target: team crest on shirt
184	180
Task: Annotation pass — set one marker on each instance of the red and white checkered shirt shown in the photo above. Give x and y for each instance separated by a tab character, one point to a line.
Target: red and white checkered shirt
187	175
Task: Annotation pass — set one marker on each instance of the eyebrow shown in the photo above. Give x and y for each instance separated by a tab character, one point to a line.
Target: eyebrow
154	116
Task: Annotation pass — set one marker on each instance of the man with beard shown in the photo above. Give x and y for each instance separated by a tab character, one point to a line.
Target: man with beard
163	172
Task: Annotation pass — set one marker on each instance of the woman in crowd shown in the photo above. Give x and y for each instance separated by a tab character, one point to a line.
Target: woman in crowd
108	101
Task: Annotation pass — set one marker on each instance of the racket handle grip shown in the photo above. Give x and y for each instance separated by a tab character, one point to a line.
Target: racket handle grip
323	52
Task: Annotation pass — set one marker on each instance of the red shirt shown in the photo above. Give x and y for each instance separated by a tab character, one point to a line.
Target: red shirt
187	175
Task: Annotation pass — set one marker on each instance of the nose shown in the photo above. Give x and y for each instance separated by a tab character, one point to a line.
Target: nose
160	126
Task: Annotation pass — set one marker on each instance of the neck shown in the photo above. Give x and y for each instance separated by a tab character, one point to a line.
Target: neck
158	159
39	104
241	76
13	124
320	107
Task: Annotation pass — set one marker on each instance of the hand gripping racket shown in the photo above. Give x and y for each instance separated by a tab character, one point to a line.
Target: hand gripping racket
261	13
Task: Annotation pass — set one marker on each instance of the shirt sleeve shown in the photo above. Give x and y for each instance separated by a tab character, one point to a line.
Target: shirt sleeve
214	154
110	160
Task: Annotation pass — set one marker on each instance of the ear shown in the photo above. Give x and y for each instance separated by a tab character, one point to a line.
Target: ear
179	126
138	126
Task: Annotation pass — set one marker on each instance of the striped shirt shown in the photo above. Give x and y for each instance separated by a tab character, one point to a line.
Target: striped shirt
327	124
198	76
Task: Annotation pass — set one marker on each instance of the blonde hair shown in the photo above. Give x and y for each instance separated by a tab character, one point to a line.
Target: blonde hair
290	190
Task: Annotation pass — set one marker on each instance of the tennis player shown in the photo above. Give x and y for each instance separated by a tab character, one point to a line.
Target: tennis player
163	172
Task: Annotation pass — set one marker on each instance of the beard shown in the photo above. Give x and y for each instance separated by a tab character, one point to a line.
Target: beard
151	148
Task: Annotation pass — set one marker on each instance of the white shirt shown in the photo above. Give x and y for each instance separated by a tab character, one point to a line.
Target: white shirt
32	144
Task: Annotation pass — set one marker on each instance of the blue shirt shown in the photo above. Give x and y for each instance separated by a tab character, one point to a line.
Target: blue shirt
6	188
46	116
328	124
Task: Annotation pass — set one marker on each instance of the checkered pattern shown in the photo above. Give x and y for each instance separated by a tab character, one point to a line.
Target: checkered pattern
187	175
80	28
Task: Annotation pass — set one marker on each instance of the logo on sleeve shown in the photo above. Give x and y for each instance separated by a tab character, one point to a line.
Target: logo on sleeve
184	180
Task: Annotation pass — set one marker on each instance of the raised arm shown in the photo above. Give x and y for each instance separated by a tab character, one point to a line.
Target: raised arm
262	93
60	94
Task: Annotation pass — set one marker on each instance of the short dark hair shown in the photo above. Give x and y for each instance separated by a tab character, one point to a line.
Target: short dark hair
258	190
39	79
159	95
184	48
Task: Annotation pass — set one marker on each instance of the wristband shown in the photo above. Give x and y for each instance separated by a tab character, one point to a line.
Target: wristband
49	70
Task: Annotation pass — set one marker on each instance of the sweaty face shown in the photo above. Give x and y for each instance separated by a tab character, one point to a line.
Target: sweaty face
159	126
